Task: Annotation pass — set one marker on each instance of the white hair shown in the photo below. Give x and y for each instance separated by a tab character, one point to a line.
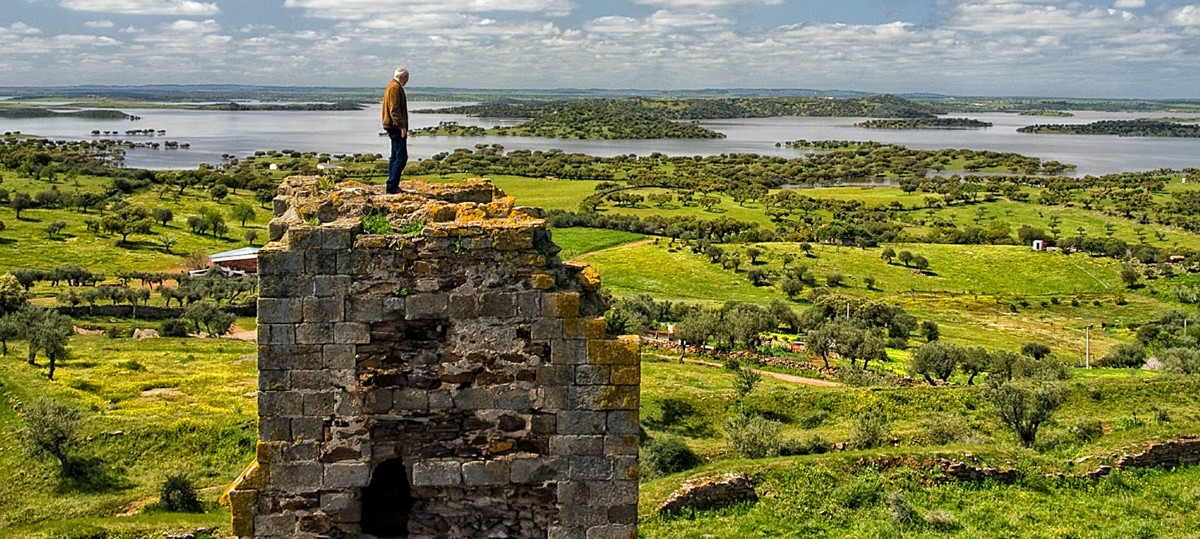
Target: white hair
400	72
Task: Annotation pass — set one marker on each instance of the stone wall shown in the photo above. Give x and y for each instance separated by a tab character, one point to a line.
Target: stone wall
449	379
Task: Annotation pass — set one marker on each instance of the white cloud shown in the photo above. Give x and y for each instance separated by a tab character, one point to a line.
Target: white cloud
1186	16
99	24
358	10
20	28
143	7
1129	4
704	3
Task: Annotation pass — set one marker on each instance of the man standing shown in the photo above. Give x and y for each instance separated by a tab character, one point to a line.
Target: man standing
395	123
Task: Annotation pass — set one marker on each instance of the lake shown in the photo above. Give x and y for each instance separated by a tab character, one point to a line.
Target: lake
213	133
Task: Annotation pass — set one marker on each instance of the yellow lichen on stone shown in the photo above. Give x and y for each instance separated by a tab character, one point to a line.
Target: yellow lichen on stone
564	305
589	279
541	281
619	352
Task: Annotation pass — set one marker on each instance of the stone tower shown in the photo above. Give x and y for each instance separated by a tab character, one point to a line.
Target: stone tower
448	377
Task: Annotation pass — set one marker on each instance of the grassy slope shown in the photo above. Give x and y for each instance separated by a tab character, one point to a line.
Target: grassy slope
796	490
24	243
578	241
200	422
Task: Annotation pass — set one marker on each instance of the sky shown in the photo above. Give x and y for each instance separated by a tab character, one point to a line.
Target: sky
1085	48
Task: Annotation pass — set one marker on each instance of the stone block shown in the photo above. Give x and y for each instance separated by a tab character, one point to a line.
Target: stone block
331	285
547	329
281	403
276	334
619	352
274	380
464	306
324	309
410	399
516	398
591	468
498	305
621	445
555	375
626	375
280	311
541	281
314	333
341	507
473	398
581	422
310	380
440	400
585	328
290	286
437	474
296	476
275	525
394	308
622	422
613	531
626	467
426	306
533	471
241	505
279	262
568	352
576	445
485	473
379	401
351	333
591	375
274	429
529	304
364	309
338	356
308	428
319	404
346	475
560	304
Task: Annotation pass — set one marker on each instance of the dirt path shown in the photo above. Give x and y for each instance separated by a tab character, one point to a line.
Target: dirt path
613	248
790	378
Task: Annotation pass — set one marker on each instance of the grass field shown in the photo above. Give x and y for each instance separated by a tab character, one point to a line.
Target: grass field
25	244
654	269
153	408
578	241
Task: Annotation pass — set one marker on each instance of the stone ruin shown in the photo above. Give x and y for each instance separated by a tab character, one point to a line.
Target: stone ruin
435	372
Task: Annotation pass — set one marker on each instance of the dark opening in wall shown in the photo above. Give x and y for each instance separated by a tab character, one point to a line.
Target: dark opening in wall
387	501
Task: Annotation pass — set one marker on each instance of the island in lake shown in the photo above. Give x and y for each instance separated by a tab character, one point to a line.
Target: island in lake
1124	128
924	123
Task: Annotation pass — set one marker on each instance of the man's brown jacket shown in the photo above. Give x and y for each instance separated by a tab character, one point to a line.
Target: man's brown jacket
395	107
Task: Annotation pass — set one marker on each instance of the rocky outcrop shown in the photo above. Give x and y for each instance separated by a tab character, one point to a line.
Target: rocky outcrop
710	493
1168	454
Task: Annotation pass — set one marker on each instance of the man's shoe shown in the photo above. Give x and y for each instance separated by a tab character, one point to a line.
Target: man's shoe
392	190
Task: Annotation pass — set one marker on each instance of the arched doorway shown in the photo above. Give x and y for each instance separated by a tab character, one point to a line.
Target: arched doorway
387	501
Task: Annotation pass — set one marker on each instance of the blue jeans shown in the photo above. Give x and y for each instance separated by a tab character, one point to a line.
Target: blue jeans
398	159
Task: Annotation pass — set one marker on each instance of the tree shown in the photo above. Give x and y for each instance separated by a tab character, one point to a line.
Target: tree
791	286
167	240
1130	275
698	326
128	220
807	248
905	257
20	202
1025	410
219	192
47	331
934	360
929	330
242	212
207	314
1124	356
974	361
786	258
12	294
753	253
54	228
744	382
51	429
1035	350
821	341
9	330
250	236
920	262
714	253
869	282
163	215
888	254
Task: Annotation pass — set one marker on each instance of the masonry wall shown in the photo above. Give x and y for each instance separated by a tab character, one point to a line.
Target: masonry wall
461	347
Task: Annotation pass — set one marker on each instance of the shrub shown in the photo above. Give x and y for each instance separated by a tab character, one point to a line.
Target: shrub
113	332
376	223
665	455
174	328
178	494
814	420
871	429
1024	410
1087	430
1124	355
744	381
899	508
753	436
860	493
945	429
52	429
813	445
940	520
1181	360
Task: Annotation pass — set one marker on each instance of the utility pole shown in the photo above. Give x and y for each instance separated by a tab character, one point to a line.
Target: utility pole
1087	354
